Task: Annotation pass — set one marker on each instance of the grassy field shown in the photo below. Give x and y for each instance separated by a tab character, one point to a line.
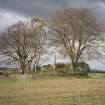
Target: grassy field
58	91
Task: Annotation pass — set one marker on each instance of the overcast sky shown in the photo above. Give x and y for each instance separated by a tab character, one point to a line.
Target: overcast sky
13	10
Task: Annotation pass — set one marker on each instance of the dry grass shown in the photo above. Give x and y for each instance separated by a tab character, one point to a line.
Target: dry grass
60	91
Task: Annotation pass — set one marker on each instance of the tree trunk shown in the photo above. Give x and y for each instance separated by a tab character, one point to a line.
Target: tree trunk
22	72
22	68
29	70
34	68
73	66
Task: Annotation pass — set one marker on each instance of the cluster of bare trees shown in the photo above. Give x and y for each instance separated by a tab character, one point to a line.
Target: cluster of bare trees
75	32
24	43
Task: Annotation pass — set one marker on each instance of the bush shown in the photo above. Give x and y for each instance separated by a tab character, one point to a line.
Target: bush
53	72
78	74
83	67
62	70
60	65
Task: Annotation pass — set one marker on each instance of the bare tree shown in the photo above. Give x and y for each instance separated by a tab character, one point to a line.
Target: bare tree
23	44
75	32
15	42
38	40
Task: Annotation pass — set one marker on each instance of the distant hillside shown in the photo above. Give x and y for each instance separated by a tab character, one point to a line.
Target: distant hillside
97	71
7	68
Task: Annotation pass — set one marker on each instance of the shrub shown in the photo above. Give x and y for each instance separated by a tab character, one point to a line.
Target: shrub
60	65
83	67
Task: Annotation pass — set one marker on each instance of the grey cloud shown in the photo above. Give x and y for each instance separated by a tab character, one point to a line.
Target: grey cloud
44	8
10	10
31	7
7	18
96	6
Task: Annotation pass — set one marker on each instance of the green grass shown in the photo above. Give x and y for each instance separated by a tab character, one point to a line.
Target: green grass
97	75
58	91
